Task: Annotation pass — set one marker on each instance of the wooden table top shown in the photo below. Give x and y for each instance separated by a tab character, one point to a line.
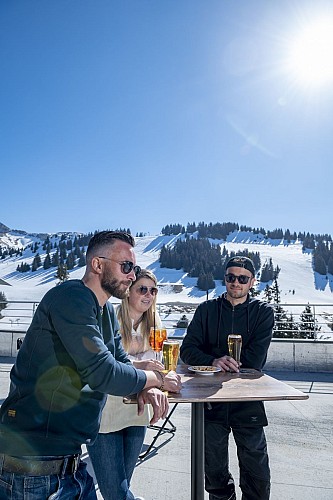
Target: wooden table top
228	387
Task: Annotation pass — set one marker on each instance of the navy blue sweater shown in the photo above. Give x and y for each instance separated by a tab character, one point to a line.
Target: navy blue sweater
70	358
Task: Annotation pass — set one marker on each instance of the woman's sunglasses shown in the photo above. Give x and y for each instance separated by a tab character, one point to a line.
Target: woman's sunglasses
242	279
143	290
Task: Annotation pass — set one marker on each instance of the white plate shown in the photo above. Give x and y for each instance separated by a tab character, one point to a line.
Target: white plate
204	370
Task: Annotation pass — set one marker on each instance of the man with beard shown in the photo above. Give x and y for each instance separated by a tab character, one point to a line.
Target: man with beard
206	343
70	359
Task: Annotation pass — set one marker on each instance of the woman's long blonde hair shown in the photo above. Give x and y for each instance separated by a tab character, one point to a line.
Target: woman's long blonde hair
146	321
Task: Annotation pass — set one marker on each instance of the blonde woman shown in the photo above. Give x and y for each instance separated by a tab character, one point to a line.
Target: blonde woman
119	442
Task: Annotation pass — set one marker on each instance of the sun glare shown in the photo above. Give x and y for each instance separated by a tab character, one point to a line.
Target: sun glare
310	60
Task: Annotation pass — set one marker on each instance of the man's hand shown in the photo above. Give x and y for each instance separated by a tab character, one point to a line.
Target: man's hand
226	363
158	401
172	382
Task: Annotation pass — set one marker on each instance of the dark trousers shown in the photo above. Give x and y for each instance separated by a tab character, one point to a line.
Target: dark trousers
252	459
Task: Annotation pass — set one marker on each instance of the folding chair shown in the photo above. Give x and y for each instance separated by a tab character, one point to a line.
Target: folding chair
162	429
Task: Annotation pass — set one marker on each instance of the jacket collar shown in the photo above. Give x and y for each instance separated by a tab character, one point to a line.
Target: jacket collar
226	302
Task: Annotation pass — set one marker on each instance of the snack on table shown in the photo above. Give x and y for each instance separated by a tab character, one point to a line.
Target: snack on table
205	368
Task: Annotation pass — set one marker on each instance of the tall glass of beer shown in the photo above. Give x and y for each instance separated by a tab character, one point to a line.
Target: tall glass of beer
170	354
235	346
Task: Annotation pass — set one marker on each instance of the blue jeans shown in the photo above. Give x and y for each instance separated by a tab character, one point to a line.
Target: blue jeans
113	457
78	486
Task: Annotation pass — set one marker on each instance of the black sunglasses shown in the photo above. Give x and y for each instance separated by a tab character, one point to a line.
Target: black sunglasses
242	279
142	290
126	267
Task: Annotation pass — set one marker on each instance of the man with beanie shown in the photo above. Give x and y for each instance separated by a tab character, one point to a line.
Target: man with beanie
206	343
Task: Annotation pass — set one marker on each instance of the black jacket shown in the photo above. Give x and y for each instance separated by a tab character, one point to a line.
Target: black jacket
207	339
214	320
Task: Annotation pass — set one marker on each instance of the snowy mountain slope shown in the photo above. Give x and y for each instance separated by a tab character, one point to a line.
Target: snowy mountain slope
296	268
297	281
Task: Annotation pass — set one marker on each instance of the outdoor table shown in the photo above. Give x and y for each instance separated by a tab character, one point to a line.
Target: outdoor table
197	389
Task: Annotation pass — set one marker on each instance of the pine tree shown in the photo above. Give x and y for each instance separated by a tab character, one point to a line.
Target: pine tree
3	302
330	265
268	294
47	262
36	263
319	264
70	262
62	273
276	294
308	327
292	327
82	260
282	324
55	259
205	282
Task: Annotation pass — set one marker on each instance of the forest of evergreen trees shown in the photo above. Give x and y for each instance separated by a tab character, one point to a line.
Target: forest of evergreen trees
66	253
220	231
202	259
196	256
321	245
323	257
285	324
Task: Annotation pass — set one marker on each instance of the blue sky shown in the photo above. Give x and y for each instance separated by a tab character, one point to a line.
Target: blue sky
140	113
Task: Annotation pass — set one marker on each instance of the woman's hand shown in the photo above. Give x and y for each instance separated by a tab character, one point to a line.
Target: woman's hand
148	364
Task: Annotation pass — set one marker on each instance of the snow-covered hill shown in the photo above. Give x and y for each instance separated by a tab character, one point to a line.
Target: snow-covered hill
298	283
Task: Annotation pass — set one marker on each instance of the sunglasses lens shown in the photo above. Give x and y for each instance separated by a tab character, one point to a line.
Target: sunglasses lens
242	279
144	289
230	278
127	266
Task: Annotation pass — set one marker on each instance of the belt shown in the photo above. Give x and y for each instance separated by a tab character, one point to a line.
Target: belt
62	465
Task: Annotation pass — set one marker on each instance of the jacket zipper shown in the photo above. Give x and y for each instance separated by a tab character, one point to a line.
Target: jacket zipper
232	319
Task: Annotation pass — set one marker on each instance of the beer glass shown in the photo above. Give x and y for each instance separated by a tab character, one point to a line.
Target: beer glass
170	355
235	346
156	338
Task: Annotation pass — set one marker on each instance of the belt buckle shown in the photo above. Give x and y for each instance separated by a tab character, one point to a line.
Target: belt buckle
75	464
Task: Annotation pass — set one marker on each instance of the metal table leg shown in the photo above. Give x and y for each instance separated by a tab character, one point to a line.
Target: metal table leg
197	452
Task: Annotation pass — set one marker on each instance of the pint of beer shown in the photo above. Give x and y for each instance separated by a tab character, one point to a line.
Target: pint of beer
170	354
235	346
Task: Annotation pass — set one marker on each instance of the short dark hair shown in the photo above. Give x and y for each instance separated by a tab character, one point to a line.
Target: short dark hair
108	238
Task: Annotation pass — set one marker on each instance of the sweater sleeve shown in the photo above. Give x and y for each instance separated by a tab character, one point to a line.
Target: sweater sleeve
192	350
254	354
74	317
